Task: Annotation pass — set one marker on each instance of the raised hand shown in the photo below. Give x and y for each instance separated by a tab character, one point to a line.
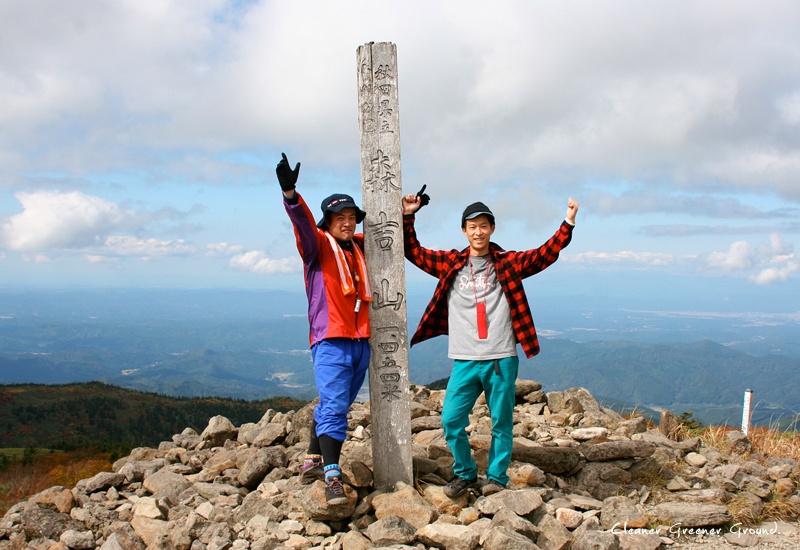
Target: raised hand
572	209
286	176
412	203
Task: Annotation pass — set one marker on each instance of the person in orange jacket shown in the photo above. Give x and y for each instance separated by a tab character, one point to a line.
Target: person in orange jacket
337	287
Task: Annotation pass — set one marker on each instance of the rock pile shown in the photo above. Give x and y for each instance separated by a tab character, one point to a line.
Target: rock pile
582	477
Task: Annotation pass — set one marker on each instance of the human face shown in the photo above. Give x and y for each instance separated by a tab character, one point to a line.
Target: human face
478	231
342	224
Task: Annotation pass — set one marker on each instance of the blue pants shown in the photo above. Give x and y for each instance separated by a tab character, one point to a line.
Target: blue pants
340	365
467	381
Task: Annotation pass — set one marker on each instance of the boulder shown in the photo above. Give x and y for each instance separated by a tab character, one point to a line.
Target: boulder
218	431
692	515
406	503
621	513
449	536
391	530
552	460
616	450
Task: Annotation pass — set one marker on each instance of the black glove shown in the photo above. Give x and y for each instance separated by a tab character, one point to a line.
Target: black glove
423	197
286	176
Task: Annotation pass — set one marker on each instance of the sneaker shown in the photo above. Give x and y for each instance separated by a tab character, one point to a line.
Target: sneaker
492	487
334	491
312	470
458	486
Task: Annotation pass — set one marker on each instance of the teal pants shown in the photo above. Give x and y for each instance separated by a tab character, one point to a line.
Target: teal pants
468	380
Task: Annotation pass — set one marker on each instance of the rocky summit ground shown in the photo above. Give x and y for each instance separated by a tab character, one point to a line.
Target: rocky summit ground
582	477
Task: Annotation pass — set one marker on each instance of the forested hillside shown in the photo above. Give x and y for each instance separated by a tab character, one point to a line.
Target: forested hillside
80	415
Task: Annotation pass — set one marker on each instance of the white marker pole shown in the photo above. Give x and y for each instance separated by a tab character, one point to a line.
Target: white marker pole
748	394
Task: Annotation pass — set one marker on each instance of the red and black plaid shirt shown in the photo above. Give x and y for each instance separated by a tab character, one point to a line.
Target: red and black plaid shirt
511	268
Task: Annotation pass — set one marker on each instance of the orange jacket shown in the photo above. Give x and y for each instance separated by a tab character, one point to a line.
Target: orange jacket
331	313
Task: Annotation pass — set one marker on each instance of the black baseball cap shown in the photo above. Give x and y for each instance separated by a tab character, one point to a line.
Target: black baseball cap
473	211
336	203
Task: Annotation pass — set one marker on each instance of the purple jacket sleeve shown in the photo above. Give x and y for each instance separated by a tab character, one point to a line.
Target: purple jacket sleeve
305	229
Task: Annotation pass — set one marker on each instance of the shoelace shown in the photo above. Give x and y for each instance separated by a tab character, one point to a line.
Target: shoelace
336	486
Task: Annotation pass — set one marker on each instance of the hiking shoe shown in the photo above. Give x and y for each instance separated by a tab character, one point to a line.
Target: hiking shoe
458	486
312	470
334	491
492	487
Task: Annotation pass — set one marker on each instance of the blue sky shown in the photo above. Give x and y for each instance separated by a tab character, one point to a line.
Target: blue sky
138	139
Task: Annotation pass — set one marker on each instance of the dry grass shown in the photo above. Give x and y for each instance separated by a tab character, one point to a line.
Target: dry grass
20	482
775	443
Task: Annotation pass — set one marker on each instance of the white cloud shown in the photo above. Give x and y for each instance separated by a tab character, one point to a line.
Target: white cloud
764	264
738	257
223	249
93	259
650	259
51	219
258	262
147	248
530	91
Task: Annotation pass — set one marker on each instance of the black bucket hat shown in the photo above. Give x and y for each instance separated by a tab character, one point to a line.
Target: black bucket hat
336	203
473	211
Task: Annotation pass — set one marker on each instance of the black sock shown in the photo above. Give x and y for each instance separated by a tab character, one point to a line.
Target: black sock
313	445
331	449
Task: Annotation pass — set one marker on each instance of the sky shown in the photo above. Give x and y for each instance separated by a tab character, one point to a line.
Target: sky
138	139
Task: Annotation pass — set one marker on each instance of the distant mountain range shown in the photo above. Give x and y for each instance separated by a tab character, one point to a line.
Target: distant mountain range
254	345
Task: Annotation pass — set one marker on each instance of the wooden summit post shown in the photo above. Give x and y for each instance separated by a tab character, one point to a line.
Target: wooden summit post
381	195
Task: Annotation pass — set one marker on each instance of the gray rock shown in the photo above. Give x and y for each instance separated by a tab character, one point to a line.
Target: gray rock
125	535
426	423
692	515
621	512
639	541
215	490
315	505
218	431
259	465
77	540
521	502
596	540
48	524
552	535
526	387
137	470
450	536
269	435
736	443
112	543
167	484
101	482
569	518
702	495
391	530
584	502
595	473
503	538
254	504
508	519
407	503
553	460
584	434
688	445
615	450
187	441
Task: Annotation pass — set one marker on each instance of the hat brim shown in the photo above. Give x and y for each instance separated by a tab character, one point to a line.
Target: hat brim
360	215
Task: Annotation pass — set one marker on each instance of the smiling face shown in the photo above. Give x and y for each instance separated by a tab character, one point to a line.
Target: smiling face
342	224
478	231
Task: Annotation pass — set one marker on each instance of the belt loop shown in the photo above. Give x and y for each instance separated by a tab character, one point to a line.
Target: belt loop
497	367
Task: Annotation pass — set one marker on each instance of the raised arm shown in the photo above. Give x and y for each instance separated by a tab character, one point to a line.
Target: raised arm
533	261
305	228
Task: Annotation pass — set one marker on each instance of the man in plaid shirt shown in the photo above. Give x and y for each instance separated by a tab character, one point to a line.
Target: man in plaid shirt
480	302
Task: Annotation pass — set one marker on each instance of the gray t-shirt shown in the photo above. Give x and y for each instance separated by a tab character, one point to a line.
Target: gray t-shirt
462	320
